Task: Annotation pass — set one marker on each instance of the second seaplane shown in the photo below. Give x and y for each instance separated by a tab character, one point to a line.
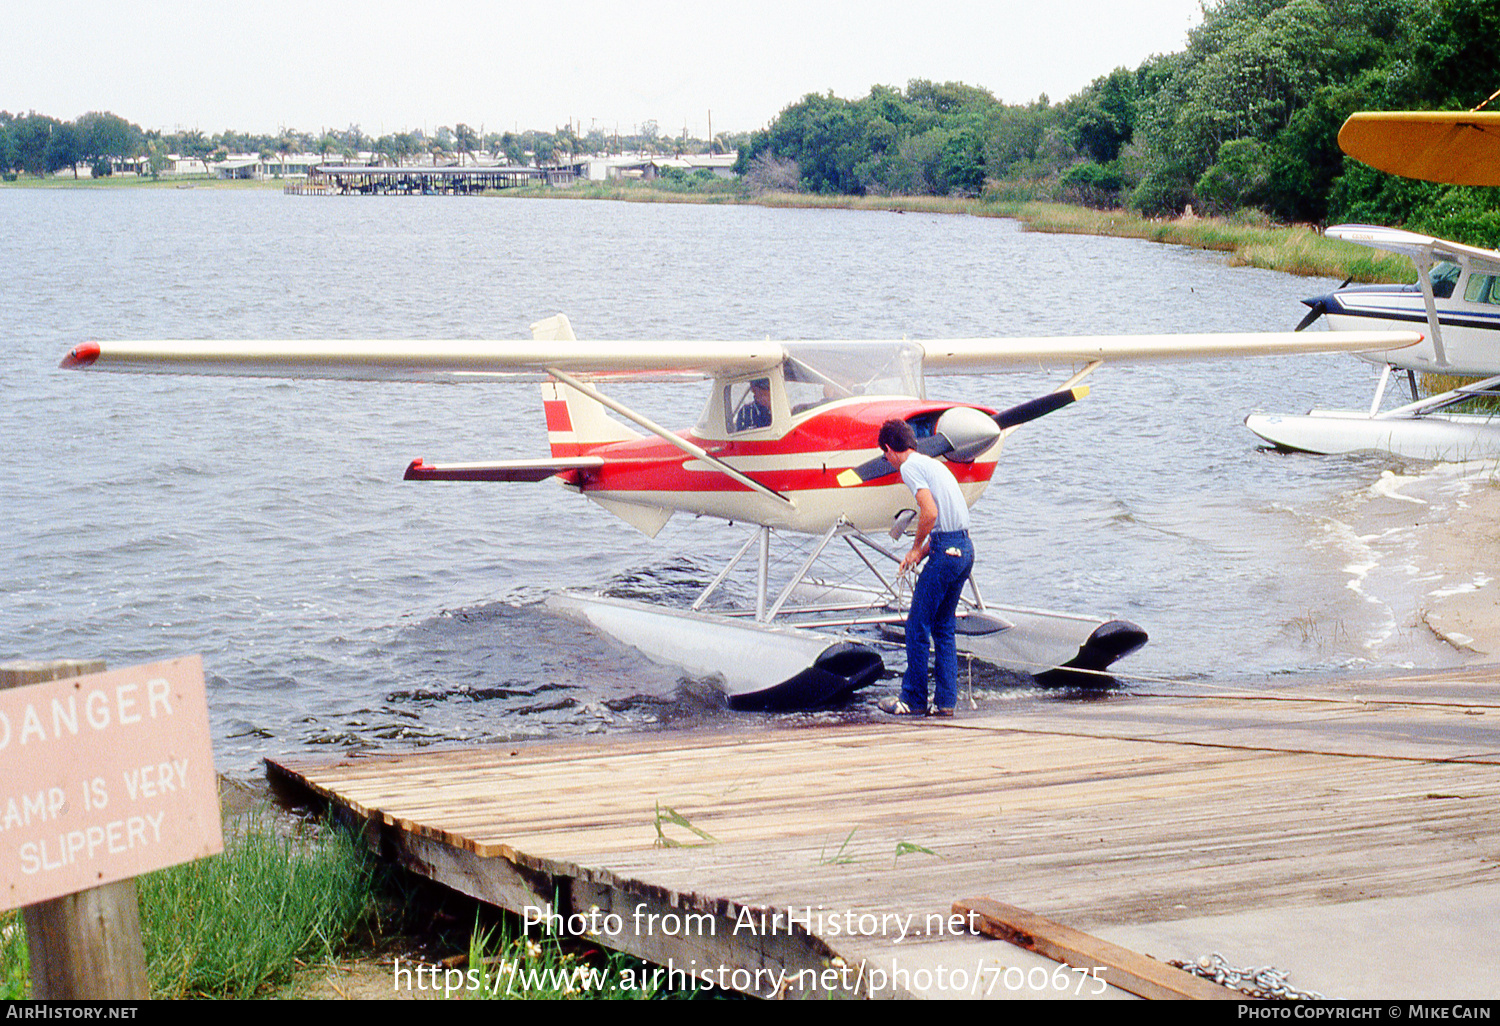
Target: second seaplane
1455	302
787	445
1456	298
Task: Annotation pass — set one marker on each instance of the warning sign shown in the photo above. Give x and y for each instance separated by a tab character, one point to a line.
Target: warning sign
104	777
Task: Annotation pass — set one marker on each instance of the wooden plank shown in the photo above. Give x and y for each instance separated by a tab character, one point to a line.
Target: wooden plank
1117	813
1121	967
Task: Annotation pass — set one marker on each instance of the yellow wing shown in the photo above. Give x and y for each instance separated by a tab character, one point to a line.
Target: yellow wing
1456	147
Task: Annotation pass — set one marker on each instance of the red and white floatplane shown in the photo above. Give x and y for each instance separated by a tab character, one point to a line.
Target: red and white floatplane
786	444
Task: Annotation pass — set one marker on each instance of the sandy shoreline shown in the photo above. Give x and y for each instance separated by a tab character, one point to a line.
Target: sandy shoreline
1423	547
1462	545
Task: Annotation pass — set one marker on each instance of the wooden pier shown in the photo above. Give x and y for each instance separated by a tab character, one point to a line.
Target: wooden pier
1311	832
346	180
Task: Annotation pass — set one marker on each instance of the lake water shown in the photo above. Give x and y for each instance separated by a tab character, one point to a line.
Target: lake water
265	524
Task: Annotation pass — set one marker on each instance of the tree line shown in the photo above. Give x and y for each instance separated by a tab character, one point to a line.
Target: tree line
1245	119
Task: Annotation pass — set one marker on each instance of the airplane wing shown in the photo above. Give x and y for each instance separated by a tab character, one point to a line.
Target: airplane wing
423	360
1457	147
427	360
982	355
1420	248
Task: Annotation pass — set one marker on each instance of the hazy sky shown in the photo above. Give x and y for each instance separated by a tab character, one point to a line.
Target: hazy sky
261	65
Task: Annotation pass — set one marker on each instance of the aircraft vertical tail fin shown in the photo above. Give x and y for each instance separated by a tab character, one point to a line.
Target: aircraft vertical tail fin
576	423
556	328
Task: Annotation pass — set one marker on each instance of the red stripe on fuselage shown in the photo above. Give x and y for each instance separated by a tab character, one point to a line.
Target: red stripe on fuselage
652	465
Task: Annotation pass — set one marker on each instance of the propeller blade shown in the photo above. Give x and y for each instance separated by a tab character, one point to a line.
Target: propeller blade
1317	308
1039	407
939	444
932	445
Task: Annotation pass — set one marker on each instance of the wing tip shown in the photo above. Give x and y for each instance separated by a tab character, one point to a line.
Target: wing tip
81	356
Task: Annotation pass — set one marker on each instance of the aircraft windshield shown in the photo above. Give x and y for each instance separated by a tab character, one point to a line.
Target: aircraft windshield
818	373
1444	276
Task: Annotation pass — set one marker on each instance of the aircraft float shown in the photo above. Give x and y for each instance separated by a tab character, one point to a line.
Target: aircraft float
786	445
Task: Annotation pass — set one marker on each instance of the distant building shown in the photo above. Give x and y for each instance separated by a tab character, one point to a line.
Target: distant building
640	165
236	167
721	164
180	165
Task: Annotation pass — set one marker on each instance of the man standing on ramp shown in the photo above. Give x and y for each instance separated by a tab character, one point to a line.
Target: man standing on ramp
943	540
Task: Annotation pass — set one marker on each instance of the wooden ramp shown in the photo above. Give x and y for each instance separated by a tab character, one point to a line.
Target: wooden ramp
837	852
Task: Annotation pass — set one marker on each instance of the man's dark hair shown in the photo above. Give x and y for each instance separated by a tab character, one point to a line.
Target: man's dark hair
897	436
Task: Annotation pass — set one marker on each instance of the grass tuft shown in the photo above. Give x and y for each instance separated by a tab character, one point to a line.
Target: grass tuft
668	816
502	966
15	967
907	848
237	923
842	857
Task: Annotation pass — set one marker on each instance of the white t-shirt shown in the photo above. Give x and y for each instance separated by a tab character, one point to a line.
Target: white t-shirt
920	471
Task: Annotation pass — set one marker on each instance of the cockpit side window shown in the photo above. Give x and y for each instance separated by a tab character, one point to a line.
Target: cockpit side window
1482	289
1444	278
747	405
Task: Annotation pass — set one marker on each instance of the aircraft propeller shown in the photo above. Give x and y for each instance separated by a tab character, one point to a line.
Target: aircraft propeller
1317	307
964	433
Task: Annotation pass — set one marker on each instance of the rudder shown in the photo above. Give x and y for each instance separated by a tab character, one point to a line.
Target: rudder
576	423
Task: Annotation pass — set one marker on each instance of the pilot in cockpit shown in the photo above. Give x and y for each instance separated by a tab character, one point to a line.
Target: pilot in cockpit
755	412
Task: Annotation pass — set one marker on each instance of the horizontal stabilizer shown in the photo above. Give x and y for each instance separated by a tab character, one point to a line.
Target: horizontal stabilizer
502	470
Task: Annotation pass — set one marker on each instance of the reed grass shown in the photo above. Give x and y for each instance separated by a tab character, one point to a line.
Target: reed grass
15	967
235	924
892	204
1250	240
239	924
1436	384
627	192
1295	249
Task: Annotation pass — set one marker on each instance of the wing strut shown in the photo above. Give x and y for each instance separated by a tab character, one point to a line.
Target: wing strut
668	437
1423	260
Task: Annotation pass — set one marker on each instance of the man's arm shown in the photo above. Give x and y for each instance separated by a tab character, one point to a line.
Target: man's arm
927	514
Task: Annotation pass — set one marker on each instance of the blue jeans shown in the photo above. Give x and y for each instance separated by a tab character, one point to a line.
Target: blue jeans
933	603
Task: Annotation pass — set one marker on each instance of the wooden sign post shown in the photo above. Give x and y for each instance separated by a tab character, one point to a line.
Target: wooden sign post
103	776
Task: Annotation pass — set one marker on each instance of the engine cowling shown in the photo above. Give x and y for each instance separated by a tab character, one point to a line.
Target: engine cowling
970	432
